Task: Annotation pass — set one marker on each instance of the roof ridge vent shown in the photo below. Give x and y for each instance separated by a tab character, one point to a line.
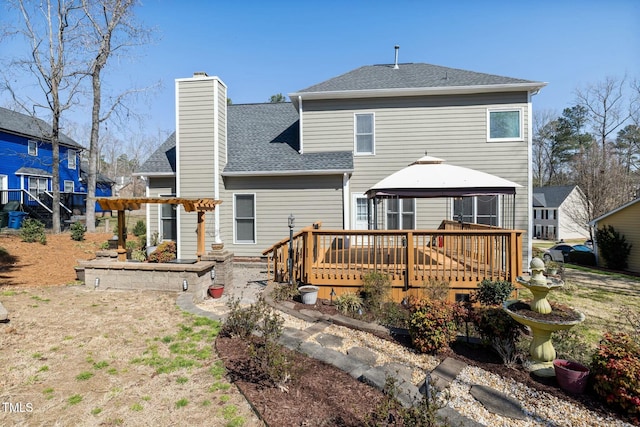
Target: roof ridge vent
395	64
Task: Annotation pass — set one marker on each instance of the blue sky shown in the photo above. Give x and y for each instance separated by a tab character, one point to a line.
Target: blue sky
260	48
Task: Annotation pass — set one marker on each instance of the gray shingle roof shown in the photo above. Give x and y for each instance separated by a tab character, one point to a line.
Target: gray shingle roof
32	171
25	125
372	77
264	138
163	160
551	197
261	139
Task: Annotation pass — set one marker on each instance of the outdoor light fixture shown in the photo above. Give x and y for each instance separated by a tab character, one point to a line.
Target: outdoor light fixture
97	283
185	284
213	273
291	222
332	294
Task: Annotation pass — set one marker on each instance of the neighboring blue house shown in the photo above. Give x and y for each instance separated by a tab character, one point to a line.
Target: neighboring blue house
26	167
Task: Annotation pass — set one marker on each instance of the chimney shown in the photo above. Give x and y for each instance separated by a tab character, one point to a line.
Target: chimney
395	65
199	74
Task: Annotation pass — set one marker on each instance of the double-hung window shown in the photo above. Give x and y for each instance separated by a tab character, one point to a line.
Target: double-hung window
504	125
71	159
169	220
401	214
244	213
477	210
364	134
38	185
68	186
32	148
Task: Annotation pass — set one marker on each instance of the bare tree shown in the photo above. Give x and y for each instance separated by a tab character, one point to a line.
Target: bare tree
50	29
542	162
112	30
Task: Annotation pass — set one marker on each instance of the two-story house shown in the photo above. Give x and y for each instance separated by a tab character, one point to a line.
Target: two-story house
556	213
317	156
27	164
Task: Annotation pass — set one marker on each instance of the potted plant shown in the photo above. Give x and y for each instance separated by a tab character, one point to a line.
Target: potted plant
552	268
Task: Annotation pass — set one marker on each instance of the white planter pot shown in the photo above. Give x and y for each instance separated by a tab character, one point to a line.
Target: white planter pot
309	294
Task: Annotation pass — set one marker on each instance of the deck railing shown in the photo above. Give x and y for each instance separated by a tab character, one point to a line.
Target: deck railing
460	255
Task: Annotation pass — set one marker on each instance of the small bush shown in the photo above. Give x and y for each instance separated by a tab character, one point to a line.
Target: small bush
104	245
285	292
165	252
436	290
616	373
375	290
499	330
77	231
493	293
614	248
349	303
241	322
139	229
33	231
582	258
139	255
434	323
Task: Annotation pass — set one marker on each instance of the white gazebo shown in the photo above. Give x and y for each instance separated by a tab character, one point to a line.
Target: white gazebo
430	177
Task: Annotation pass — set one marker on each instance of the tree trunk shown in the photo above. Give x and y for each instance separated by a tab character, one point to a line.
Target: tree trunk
93	152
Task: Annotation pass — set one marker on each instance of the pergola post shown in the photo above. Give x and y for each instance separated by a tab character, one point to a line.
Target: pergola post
122	250
200	235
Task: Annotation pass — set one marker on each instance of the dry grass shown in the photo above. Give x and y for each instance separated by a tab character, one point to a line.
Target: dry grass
75	356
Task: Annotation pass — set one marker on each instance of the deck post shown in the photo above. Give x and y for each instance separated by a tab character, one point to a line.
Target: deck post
410	261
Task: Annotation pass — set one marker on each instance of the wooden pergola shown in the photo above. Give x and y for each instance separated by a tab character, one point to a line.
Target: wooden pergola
128	204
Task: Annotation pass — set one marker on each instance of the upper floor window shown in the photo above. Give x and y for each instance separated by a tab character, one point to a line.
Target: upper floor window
504	125
33	148
244	212
71	159
364	134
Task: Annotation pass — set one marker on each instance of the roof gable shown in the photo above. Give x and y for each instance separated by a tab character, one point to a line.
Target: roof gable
551	197
616	210
30	127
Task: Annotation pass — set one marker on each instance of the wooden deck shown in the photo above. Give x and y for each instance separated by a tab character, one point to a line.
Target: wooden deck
460	255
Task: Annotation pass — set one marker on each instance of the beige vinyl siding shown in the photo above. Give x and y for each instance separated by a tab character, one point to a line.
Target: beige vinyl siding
158	187
308	198
453	128
626	222
197	106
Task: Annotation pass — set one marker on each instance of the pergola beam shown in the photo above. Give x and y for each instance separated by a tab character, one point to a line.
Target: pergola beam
127	204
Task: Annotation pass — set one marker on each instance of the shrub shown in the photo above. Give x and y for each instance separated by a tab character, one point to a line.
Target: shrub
285	292
433	323
614	247
140	228
615	368
375	290
139	255
493	293
349	303
33	231
582	258
77	231
499	330
436	290
166	252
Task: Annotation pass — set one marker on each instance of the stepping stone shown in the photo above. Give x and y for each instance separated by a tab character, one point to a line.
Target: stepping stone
497	403
315	314
398	370
328	340
446	372
4	314
364	355
318	327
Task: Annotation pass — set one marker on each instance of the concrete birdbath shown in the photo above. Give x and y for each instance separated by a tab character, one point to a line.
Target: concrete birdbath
541	318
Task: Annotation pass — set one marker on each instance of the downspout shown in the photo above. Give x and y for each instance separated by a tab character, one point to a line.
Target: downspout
345	201
300	124
529	180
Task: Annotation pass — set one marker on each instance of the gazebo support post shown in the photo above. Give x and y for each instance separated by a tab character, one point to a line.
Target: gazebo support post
122	250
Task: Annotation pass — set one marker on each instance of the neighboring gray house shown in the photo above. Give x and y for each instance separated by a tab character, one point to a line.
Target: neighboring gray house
555	210
316	156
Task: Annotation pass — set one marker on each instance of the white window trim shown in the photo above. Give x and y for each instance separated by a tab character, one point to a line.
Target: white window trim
161	218
70	183
505	109
453	216
71	159
255	220
35	145
400	212
355	134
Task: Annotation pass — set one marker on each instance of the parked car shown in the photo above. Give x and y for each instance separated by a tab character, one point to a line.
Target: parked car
560	252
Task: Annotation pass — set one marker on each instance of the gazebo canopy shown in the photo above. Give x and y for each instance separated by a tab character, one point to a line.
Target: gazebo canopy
430	177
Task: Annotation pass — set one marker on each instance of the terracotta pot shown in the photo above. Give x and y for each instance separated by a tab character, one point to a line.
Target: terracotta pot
572	376
215	291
